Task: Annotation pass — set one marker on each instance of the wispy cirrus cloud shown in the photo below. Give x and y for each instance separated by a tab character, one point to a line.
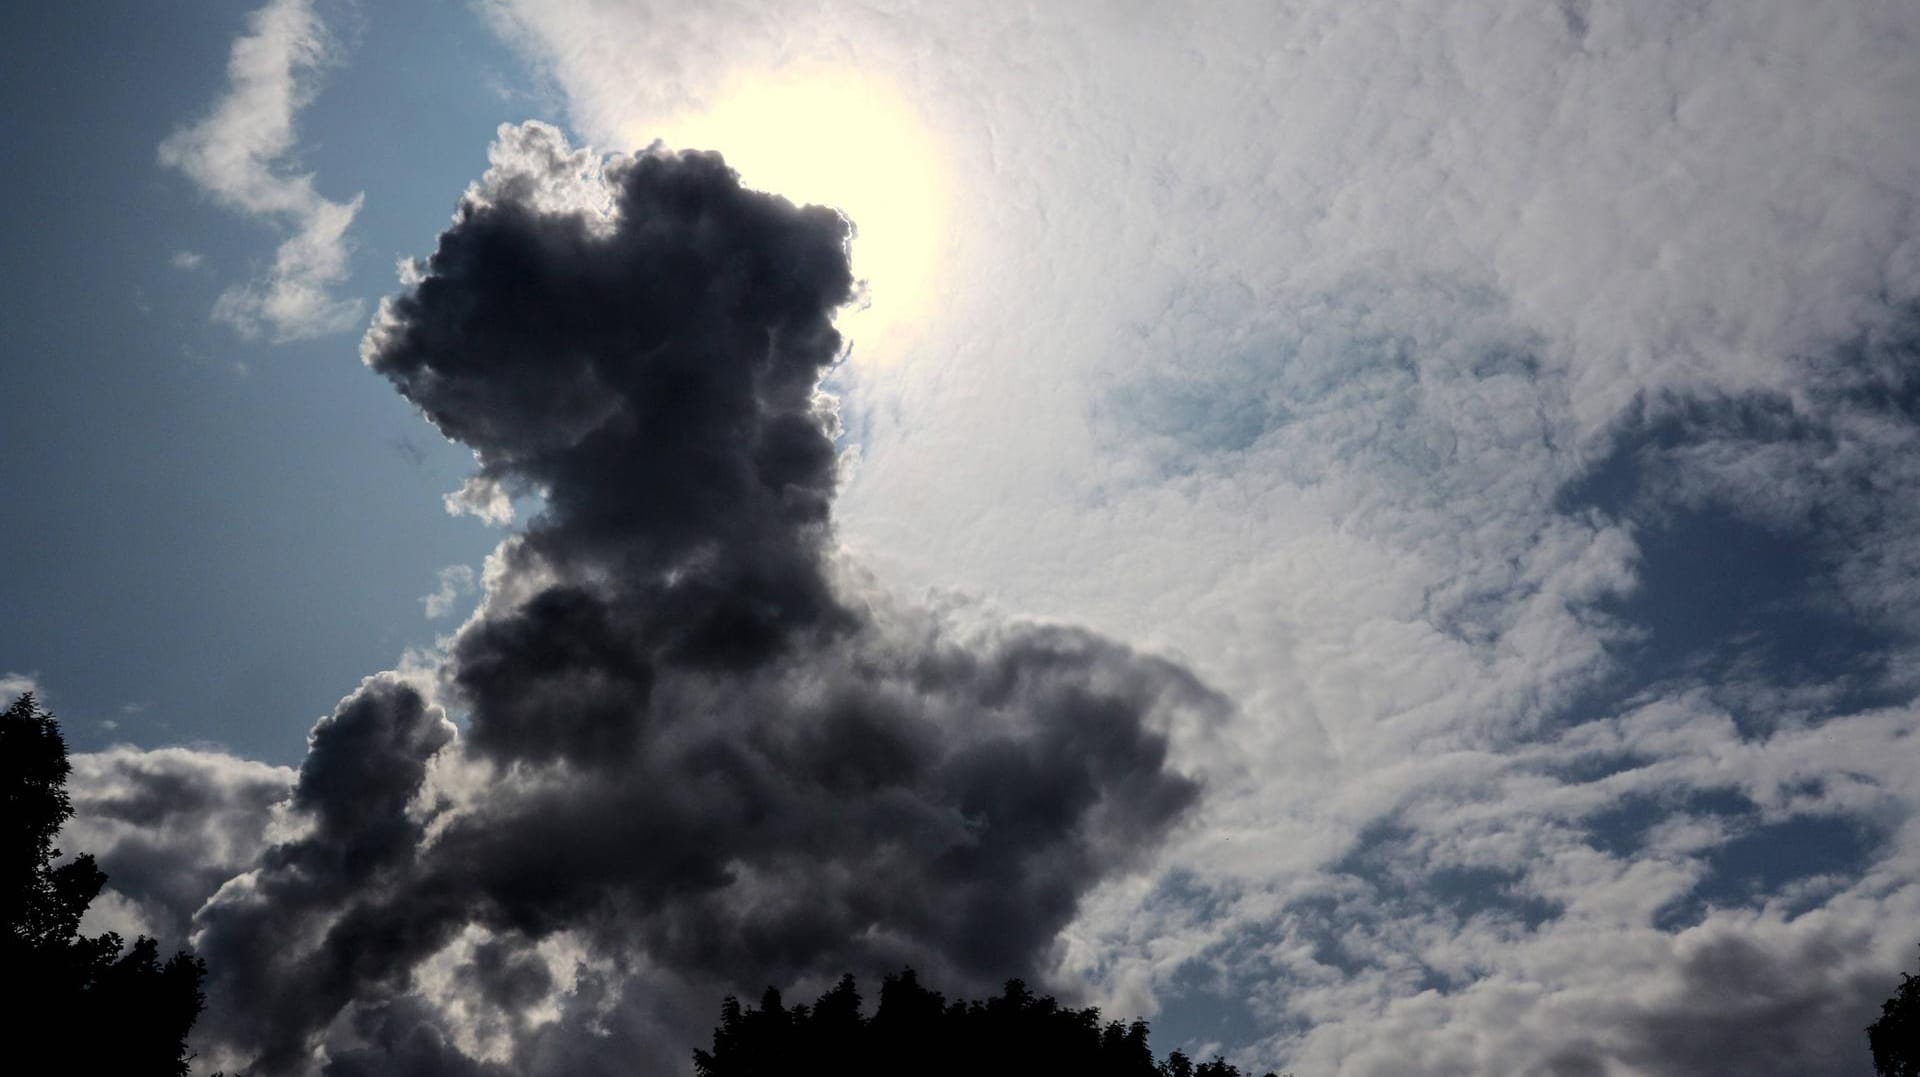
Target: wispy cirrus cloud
241	155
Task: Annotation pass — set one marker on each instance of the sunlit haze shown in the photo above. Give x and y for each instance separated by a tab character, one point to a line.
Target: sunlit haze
849	141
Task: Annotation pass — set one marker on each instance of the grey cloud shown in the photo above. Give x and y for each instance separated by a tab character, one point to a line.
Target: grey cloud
701	746
1742	1006
403	1036
364	766
170	825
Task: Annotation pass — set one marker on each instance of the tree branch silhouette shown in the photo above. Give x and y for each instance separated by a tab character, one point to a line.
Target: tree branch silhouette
79	1004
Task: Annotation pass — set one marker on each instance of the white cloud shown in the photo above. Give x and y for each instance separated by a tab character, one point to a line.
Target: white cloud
483	499
15	685
188	260
240	155
456	582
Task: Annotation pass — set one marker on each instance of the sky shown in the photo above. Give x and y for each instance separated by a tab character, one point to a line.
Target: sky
1376	535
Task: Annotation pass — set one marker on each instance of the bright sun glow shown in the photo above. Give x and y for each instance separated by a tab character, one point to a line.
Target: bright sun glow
853	143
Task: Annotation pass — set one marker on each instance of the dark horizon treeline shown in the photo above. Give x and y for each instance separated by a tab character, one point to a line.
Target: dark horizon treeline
1017	1034
916	1029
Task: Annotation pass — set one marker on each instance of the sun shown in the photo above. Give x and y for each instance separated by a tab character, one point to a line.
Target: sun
853	142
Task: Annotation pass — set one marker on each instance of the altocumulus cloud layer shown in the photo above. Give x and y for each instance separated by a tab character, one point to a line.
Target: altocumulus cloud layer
698	752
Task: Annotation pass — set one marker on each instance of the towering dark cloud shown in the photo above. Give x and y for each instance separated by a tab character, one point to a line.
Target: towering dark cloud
700	749
299	936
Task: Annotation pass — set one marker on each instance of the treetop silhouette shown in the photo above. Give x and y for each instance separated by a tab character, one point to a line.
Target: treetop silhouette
1894	1038
916	1029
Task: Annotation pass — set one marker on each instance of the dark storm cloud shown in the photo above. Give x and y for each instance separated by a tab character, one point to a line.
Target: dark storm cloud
364	766
699	745
403	1037
1746	1007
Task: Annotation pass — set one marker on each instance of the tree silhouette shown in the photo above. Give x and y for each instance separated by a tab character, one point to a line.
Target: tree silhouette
916	1030
75	1004
1895	1037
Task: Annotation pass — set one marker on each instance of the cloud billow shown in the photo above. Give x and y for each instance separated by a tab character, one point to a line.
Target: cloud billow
701	751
